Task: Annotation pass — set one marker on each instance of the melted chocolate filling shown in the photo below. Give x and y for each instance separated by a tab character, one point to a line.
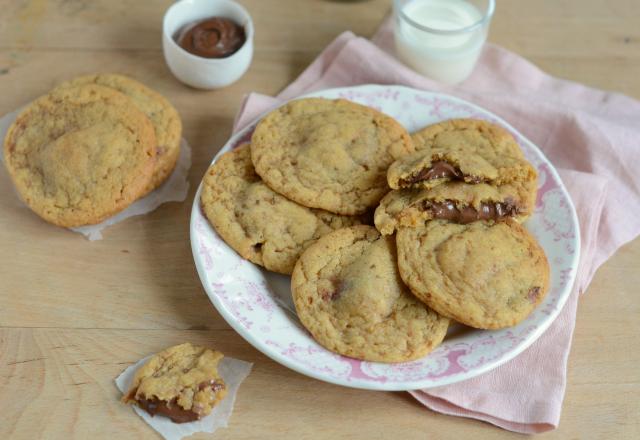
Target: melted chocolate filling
171	408
440	170
448	210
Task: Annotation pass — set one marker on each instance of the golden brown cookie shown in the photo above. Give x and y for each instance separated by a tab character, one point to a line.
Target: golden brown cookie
455	202
486	275
349	295
80	154
163	116
468	150
181	382
328	154
260	224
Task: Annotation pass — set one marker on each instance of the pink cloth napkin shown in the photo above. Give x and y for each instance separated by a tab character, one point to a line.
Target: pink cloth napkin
591	136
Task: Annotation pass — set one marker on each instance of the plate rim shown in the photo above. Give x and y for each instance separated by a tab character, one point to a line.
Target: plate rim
391	385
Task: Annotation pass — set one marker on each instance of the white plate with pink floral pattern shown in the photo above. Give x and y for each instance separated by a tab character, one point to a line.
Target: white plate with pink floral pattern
258	305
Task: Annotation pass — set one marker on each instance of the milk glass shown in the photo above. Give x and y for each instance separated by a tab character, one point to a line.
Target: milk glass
441	39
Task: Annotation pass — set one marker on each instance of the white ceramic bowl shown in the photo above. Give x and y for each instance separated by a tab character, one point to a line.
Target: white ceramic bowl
199	72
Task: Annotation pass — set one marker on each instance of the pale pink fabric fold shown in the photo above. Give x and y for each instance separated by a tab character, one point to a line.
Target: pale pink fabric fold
591	136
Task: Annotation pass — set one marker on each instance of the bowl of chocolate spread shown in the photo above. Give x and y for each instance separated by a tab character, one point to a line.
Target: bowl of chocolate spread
207	44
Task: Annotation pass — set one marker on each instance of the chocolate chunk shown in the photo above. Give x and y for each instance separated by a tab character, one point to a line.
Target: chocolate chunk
338	287
169	409
448	210
440	170
532	296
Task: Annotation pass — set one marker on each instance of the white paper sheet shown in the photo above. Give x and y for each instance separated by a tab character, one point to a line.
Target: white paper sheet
232	371
175	188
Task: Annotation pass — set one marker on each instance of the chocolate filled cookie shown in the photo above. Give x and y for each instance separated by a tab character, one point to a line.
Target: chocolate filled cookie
181	383
349	295
465	150
483	274
455	202
328	154
260	224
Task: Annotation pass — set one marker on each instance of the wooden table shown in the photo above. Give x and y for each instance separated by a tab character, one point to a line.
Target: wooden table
73	314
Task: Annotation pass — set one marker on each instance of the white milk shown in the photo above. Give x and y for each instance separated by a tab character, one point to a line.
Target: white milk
444	57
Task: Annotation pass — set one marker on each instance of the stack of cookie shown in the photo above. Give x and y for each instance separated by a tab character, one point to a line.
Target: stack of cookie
457	204
91	147
296	201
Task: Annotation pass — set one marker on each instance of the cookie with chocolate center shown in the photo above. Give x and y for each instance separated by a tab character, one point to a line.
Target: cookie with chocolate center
181	383
455	202
486	275
349	295
466	150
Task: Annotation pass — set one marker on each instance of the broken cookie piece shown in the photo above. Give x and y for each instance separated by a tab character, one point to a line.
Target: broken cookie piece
456	202
429	175
465	150
181	383
430	168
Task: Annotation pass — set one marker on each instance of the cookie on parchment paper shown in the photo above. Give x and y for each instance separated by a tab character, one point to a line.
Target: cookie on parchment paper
78	155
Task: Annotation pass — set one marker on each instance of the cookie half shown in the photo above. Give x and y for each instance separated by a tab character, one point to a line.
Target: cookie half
80	154
468	150
485	275
260	224
164	117
181	383
328	154
349	295
456	202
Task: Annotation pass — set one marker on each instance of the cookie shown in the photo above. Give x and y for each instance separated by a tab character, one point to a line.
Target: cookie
328	154
483	274
349	295
181	383
80	154
456	202
260	224
163	116
468	150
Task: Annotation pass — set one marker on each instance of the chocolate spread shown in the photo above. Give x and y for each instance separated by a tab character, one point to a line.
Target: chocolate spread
215	37
439	170
448	210
171	408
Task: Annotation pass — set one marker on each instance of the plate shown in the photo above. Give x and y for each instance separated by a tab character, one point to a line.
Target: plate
258	305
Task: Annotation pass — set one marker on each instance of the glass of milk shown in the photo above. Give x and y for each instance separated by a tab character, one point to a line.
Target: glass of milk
441	39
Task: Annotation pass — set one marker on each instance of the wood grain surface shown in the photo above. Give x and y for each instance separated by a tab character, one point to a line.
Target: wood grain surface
73	314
